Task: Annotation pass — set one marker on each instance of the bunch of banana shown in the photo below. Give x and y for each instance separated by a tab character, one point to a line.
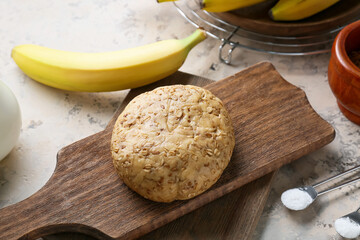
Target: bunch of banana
291	10
284	10
222	5
107	71
226	5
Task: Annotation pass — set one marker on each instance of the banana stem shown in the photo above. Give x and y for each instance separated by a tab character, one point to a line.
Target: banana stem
201	4
192	40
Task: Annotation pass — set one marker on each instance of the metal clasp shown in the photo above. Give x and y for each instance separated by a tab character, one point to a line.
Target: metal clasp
233	45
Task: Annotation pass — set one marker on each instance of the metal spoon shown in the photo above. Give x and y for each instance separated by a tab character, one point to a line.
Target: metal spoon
304	201
348	226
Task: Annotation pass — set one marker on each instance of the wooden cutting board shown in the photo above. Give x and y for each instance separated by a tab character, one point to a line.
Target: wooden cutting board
233	216
274	124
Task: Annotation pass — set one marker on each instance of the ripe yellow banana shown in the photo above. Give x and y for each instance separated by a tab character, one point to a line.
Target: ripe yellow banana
108	71
226	5
291	10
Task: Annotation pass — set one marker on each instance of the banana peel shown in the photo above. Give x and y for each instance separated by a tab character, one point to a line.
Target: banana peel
107	71
292	10
226	5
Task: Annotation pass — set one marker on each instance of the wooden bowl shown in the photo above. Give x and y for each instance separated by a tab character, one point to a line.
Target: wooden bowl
343	74
256	19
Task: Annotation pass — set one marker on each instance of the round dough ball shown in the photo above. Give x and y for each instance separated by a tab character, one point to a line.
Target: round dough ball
172	143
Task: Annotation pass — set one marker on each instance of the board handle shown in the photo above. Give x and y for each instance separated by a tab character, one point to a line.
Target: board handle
37	216
25	219
51	209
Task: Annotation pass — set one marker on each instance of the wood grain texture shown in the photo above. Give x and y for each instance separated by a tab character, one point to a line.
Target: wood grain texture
256	18
274	124
233	216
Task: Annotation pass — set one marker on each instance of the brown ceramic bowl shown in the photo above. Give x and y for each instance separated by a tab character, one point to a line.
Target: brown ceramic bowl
343	74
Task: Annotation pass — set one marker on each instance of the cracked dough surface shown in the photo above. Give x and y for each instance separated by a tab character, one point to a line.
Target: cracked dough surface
172	143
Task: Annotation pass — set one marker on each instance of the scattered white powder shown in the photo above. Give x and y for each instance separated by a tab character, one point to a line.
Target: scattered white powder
347	228
296	199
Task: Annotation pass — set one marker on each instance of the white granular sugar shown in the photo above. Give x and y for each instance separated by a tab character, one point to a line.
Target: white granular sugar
296	199
347	228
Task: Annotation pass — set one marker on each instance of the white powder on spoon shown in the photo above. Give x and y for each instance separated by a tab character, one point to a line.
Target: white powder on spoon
296	199
347	228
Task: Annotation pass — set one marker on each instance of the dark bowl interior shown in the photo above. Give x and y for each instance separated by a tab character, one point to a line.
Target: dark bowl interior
348	40
352	41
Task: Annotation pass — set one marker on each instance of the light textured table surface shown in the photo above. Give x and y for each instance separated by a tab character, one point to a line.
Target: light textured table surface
52	119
